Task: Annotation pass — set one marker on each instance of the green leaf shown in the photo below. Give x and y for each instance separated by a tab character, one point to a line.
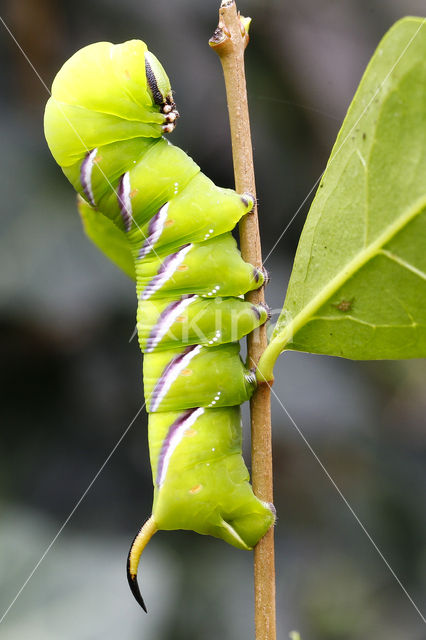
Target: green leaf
358	285
107	237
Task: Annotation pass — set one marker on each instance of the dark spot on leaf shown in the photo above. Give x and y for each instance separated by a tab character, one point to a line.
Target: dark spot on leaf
344	305
364	135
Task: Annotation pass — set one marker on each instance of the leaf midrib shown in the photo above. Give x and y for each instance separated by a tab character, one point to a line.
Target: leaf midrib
358	261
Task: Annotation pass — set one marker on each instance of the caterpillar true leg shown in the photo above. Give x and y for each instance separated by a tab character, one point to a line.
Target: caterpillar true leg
146	204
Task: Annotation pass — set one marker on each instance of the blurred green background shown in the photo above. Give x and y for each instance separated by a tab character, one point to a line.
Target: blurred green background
71	376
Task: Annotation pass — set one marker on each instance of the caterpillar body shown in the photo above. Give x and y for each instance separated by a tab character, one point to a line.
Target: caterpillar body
170	228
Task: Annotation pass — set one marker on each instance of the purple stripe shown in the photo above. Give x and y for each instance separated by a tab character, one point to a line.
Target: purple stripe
124	203
155	229
152	340
170	373
165	265
166	271
166	319
168	262
86	169
174	436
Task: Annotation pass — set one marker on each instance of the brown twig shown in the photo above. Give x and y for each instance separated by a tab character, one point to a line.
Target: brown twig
229	41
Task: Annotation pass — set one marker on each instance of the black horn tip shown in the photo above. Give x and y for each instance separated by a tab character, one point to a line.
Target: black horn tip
132	579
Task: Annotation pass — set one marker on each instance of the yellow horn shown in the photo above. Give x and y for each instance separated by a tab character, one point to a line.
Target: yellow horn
138	545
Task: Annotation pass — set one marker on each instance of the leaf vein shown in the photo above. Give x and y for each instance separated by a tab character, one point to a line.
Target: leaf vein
411	325
403	263
354	265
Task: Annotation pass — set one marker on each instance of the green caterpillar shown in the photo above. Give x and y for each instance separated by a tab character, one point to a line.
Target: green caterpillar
171	231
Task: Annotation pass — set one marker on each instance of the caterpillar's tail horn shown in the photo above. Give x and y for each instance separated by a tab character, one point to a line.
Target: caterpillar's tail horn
138	545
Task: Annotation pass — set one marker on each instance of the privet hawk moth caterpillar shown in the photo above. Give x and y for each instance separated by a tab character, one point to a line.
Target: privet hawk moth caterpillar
104	125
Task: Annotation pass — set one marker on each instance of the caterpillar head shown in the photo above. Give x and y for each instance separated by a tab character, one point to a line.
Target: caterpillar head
160	90
105	93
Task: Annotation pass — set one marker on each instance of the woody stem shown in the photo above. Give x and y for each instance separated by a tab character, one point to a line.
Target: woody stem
229	41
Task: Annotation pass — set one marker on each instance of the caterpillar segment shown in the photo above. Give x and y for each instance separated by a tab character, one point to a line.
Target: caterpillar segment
149	208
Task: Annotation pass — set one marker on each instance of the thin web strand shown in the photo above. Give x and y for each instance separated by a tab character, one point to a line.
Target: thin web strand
74	509
348	505
75	130
398	60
